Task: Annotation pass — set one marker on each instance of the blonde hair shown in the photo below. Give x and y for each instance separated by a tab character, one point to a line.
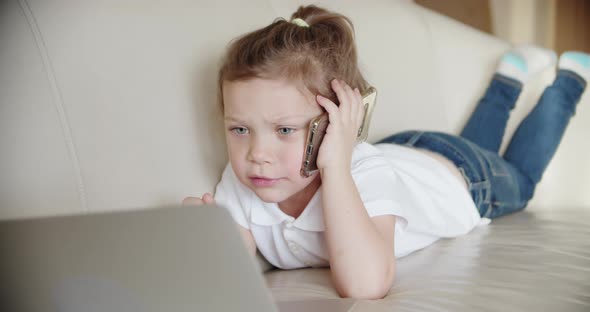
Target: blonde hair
310	56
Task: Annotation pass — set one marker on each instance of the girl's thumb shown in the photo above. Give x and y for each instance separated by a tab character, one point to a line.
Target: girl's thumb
208	198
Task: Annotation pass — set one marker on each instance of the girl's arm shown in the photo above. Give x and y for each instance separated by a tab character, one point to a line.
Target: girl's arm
360	248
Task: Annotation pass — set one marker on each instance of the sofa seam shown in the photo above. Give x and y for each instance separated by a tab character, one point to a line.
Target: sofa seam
57	99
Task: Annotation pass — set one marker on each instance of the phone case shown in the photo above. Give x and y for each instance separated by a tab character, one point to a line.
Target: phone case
369	101
317	130
315	135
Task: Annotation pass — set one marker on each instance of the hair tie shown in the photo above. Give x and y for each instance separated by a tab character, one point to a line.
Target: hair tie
300	22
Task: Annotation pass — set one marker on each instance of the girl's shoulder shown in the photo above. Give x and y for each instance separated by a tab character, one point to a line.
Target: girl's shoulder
370	166
365	156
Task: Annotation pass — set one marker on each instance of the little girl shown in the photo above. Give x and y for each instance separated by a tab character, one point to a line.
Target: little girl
369	204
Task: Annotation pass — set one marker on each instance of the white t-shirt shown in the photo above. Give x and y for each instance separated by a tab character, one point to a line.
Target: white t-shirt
427	199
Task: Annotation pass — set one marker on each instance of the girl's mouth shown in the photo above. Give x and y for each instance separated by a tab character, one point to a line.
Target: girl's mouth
261	181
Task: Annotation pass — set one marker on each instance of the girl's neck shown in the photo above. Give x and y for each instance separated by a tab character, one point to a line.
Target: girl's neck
295	204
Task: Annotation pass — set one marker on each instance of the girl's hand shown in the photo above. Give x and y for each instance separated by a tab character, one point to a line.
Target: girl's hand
345	120
195	201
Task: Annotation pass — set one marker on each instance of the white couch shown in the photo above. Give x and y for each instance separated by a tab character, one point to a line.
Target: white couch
110	105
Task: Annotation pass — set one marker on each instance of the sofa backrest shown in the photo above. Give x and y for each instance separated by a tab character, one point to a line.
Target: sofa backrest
110	104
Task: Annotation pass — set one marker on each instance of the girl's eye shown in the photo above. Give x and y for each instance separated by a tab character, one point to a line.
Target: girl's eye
286	131
240	130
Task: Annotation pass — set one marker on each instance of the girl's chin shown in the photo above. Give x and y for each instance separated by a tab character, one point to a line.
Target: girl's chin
269	197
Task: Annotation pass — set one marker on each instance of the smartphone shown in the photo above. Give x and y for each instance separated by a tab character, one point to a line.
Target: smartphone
317	130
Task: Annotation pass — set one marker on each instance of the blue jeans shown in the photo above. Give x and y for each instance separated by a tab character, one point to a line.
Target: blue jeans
500	185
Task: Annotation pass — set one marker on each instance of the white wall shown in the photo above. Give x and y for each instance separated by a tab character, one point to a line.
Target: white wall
524	21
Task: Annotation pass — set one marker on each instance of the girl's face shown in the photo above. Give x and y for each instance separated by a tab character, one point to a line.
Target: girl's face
266	123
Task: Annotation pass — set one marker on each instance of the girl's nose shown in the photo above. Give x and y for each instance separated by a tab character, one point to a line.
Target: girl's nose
260	151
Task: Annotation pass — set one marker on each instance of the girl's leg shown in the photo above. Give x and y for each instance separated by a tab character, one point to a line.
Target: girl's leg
535	141
498	186
487	124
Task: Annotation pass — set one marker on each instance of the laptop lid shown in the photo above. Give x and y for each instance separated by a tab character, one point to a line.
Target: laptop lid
164	259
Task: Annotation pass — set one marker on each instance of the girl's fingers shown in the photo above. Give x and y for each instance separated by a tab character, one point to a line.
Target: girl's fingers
329	106
340	90
349	110
351	101
189	201
195	201
208	198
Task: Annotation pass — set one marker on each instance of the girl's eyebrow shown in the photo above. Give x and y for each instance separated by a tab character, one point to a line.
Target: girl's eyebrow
283	118
231	118
289	117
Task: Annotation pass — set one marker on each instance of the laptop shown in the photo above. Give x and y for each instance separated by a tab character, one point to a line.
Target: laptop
162	259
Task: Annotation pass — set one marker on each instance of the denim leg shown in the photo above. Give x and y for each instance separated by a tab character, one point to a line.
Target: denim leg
535	141
503	185
487	124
